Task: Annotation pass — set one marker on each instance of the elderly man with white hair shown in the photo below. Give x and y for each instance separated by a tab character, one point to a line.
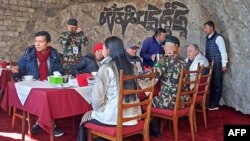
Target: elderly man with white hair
194	57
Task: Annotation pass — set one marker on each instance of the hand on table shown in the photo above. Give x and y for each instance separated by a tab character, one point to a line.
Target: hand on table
14	69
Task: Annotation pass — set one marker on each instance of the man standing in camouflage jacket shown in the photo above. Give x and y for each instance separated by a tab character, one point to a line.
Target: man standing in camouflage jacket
73	41
168	71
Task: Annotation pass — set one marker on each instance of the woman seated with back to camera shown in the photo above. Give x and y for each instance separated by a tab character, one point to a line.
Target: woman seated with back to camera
105	93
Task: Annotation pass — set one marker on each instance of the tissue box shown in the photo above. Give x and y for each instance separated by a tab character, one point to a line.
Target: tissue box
55	79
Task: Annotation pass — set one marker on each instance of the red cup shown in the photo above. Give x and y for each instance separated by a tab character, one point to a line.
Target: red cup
82	79
4	64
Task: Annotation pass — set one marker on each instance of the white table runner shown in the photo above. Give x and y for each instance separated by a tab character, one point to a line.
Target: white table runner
23	89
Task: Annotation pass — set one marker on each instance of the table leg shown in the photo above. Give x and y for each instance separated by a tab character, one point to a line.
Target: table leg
74	128
23	125
52	130
10	108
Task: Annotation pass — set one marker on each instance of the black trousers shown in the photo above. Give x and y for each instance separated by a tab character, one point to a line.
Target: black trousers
216	85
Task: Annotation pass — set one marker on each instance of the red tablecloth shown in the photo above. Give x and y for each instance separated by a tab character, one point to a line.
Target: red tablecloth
5	78
47	104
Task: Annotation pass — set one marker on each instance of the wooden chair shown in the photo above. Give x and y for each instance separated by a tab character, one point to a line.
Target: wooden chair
25	117
117	133
203	91
182	108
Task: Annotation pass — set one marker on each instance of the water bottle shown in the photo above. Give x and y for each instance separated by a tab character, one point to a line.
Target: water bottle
157	57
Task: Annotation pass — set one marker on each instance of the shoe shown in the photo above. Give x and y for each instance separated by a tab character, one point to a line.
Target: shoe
35	128
153	129
58	132
155	133
213	108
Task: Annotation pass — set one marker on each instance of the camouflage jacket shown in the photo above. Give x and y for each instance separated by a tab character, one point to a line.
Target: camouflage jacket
168	71
72	47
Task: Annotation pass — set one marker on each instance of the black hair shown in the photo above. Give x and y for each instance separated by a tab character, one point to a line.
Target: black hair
44	33
117	53
210	23
159	31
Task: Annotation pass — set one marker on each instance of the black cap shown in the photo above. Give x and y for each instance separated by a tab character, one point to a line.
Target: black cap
72	22
173	39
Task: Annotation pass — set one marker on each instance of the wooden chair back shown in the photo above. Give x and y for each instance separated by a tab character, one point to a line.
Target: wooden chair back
203	91
123	106
117	133
184	102
205	79
185	97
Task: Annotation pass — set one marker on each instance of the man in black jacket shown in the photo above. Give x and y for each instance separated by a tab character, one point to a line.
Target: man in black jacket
131	54
90	62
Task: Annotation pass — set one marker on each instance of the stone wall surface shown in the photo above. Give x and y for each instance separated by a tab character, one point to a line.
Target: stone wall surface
21	19
233	21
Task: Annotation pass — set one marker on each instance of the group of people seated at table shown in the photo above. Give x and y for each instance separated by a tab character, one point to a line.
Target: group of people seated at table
107	58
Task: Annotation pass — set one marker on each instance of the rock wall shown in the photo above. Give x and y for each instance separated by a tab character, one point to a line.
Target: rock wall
137	19
233	21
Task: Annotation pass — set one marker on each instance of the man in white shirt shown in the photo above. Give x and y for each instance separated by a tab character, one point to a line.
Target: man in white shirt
215	51
195	58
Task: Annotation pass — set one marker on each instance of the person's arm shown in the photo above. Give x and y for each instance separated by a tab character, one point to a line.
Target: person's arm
100	89
144	50
79	66
162	66
205	62
84	39
202	60
64	38
60	67
20	70
222	48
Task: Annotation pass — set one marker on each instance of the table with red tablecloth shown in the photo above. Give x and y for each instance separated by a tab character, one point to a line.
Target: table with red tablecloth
47	103
5	77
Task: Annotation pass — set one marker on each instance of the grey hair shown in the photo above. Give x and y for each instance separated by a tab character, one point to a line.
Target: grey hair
195	46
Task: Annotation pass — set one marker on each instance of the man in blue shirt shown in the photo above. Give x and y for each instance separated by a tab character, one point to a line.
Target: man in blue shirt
152	46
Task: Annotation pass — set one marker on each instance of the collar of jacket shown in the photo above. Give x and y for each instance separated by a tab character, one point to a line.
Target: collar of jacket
31	51
106	60
90	55
213	34
129	56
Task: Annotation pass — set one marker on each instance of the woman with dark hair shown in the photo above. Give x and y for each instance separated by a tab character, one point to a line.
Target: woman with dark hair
106	89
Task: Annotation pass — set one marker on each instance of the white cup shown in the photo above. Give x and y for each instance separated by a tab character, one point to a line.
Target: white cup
91	80
28	77
93	73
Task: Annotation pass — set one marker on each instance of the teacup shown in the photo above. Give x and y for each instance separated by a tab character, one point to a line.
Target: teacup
28	77
93	73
